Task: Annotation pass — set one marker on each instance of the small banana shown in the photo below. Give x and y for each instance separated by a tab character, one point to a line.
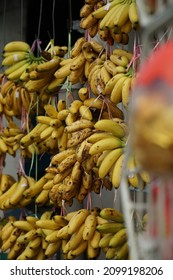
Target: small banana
77	220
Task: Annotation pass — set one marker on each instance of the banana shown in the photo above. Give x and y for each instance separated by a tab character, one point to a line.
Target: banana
119	60
15	251
76	75
134	14
76	49
60	220
110	227
110	126
55	84
17	195
122	15
133	177
121	52
74	240
112	214
77	251
78	136
77	62
105	144
63	233
105	239
23	225
126	89
15	71
87	22
117	171
118	238
45	134
59	157
110	253
95	240
89	227
126	27
102	11
86	10
42	198
66	163
62	141
36	188
52	248
108	20
49	65
122	252
92	253
52	237
79	125
77	220
74	106
47	224
85	112
50	111
16	46
13	58
109	161
83	93
64	71
116	94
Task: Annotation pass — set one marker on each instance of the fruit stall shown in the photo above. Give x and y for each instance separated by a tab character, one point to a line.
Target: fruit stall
84	183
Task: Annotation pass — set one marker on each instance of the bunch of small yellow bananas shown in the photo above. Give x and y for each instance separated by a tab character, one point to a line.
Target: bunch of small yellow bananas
12	191
34	72
112	21
75	233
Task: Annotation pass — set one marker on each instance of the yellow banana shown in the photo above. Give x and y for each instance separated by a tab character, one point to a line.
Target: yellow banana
23	225
122	252
92	253
118	238
74	240
134	14
47	224
64	71
111	227
109	161
77	62
13	58
105	239
89	227
76	49
85	112
102	11
74	106
17	195
15	71
110	126
121	52
112	214
79	125
105	144
78	251
16	46
122	15
119	60
63	233
49	65
77	220
126	89
52	248
95	240
117	171
133	177
116	94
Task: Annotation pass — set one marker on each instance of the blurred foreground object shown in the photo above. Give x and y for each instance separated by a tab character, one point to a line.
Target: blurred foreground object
151	117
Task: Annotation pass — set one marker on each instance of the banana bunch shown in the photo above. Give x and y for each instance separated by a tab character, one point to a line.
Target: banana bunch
13	190
113	241
117	19
76	67
88	22
112	77
6	181
35	73
15	98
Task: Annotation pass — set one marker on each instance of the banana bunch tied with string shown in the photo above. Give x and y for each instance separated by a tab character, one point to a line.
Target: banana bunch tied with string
109	142
14	98
82	54
113	77
34	72
10	138
12	192
24	240
113	241
116	19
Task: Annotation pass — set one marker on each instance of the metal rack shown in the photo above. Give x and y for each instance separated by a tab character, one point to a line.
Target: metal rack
157	241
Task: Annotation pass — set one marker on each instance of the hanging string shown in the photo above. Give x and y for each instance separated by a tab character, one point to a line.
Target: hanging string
21	21
40	18
53	19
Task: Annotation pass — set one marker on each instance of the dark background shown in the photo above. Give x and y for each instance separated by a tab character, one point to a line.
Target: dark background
65	12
